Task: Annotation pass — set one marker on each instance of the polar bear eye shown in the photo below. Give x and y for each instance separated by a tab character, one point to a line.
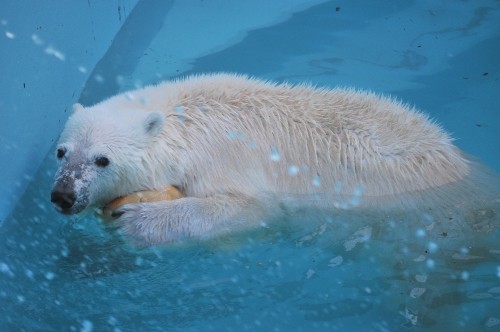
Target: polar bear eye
102	161
60	153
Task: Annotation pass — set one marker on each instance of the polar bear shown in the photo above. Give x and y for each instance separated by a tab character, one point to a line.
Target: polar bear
240	149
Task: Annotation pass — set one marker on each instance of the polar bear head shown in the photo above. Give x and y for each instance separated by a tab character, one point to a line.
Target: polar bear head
102	153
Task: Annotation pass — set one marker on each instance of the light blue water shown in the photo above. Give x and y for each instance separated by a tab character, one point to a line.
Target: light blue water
316	272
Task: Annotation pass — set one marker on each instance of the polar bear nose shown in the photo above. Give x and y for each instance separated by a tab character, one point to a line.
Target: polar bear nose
64	199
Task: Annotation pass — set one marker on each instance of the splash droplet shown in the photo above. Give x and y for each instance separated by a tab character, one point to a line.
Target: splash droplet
50	50
293	170
316	181
36	39
179	110
275	156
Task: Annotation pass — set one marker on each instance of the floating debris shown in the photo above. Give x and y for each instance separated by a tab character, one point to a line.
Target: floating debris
417	292
421	278
361	236
336	261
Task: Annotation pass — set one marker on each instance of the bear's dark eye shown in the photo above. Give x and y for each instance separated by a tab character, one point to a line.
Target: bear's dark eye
60	153
102	161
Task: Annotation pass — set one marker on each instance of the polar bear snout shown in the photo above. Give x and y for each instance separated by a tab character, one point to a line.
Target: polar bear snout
63	197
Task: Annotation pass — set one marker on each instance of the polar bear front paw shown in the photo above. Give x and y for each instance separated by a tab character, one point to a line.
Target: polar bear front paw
147	223
187	218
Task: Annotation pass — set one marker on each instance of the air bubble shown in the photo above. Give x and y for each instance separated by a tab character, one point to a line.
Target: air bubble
139	261
29	273
98	78
430	263
427	217
50	275
420	232
10	35
120	80
432	247
464	275
4	268
112	321
87	326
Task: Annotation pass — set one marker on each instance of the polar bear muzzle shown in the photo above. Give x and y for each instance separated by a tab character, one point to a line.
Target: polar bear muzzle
63	196
69	193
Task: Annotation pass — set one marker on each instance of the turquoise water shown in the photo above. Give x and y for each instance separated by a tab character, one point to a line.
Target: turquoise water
315	271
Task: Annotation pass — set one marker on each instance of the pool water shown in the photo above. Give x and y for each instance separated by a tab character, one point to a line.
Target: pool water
315	271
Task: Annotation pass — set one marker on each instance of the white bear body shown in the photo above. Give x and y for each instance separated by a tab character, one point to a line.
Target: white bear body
240	148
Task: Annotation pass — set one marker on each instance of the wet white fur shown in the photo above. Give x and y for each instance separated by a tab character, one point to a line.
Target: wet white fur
242	149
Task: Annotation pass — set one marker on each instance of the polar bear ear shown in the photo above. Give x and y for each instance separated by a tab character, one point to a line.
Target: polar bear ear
77	107
153	123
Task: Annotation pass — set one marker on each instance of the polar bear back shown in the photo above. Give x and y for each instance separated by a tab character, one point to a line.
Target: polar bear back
246	133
